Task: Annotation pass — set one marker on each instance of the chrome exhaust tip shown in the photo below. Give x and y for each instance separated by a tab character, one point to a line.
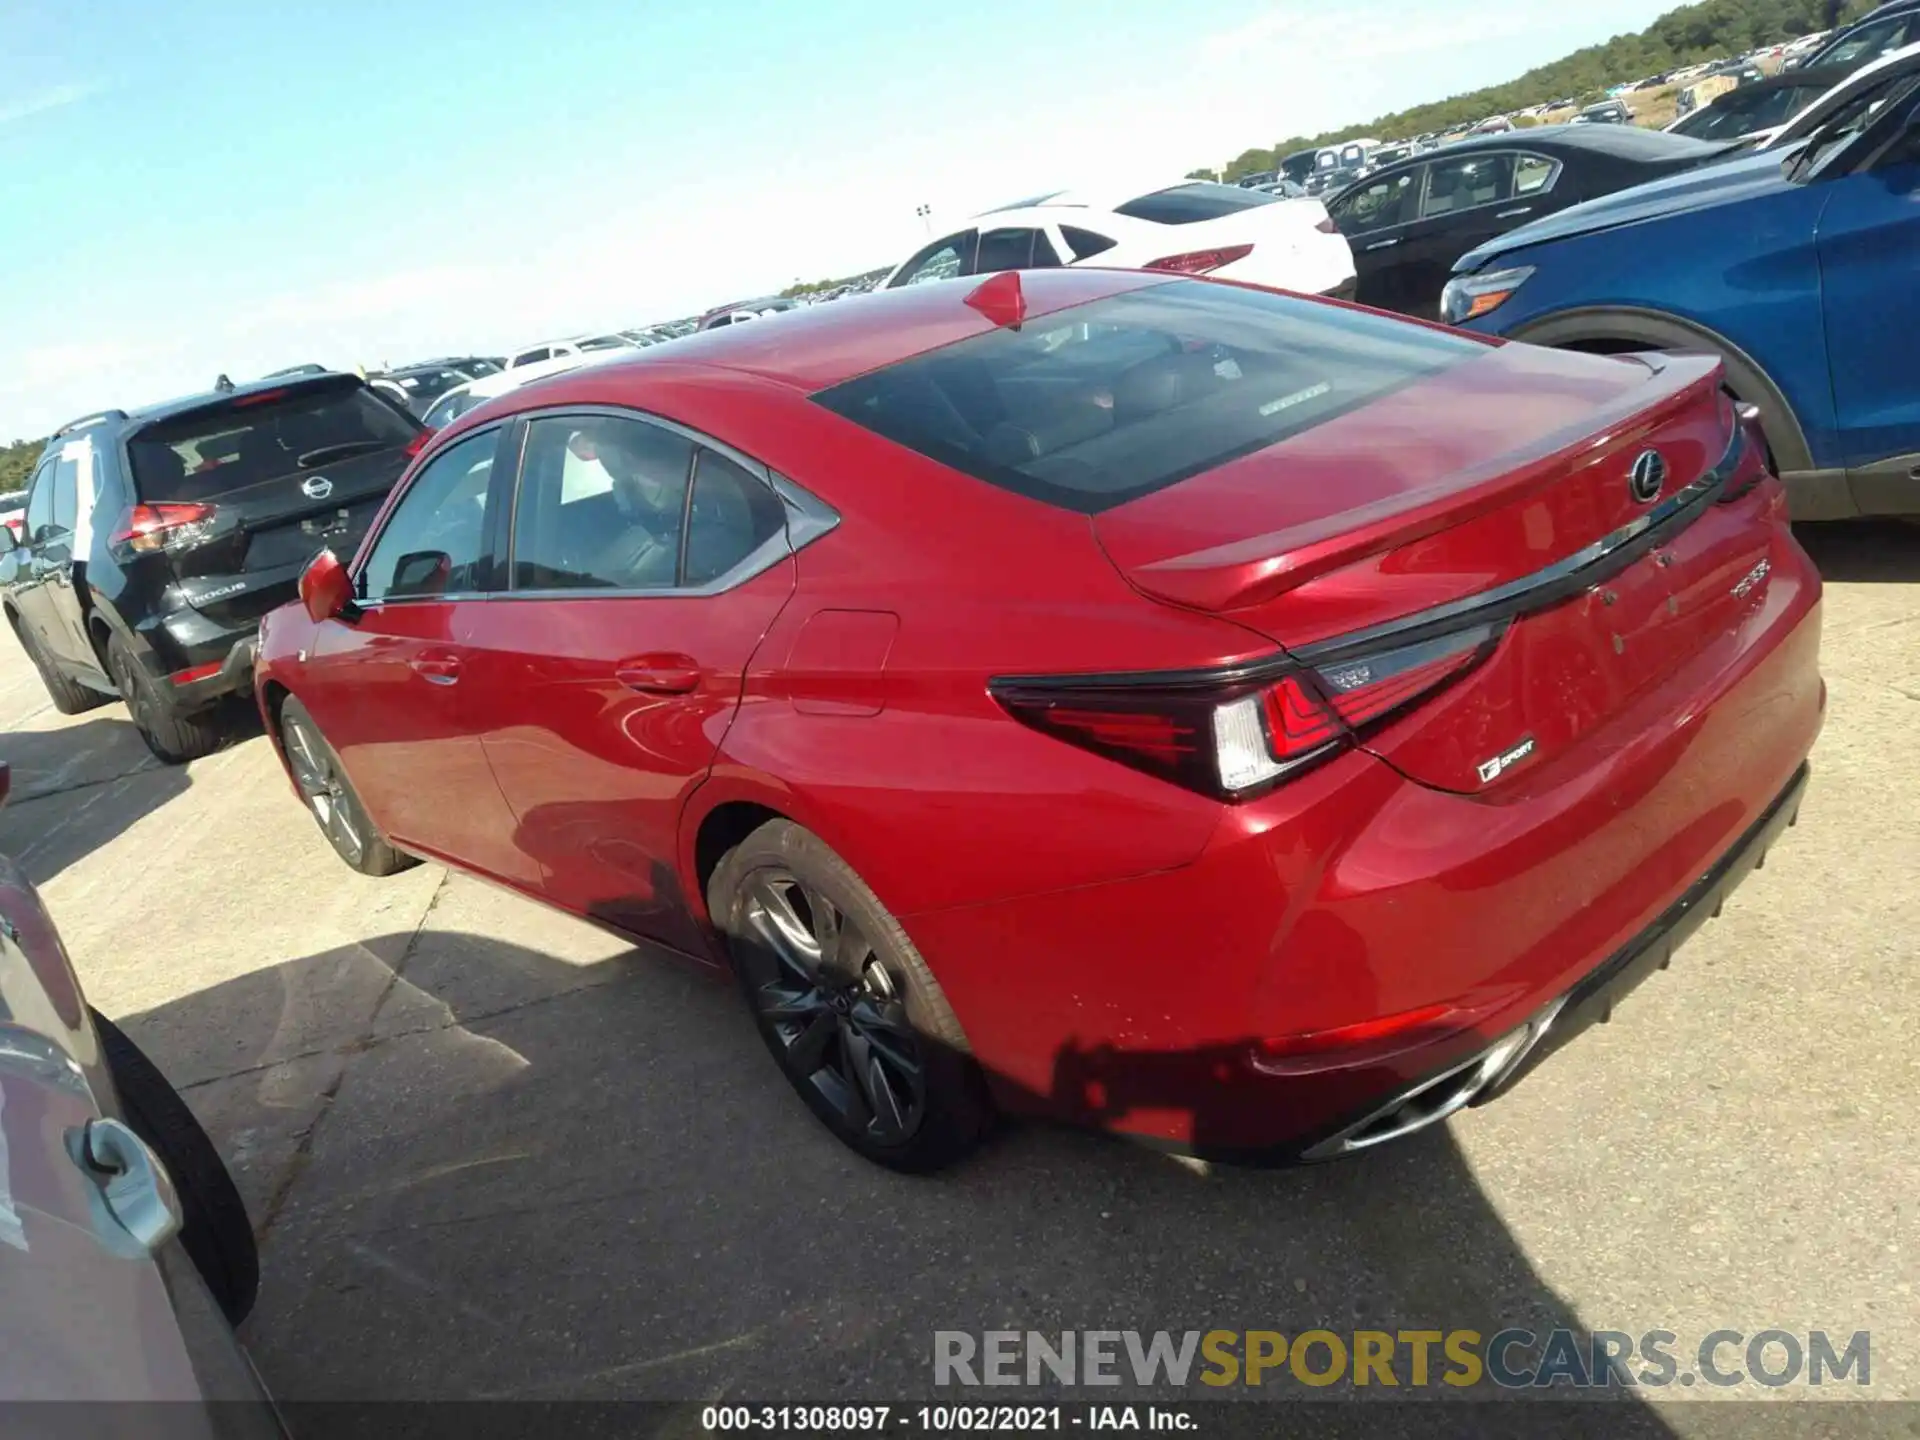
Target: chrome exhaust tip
1434	1099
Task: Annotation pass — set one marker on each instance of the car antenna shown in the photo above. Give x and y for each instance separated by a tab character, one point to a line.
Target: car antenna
223	383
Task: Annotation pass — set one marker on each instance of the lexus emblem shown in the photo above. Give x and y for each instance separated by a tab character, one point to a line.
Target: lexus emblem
318	487
1647	477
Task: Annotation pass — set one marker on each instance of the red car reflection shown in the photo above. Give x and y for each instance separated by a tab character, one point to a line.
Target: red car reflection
1254	724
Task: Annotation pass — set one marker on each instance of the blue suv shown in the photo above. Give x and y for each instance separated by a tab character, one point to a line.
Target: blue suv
1800	268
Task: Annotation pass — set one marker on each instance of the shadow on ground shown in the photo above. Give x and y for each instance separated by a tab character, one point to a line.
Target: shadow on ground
483	1172
1869	551
77	787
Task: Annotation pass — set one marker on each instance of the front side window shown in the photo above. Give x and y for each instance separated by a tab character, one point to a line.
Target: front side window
942	260
1378	204
436	539
1097	404
1193	202
1466	183
531	357
602	505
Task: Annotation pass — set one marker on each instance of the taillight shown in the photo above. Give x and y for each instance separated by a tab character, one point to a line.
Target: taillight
1239	737
1326	226
417	443
149	529
1199	262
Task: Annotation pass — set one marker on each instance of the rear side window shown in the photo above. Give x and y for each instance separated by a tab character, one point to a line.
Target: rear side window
1085	243
734	513
214	451
1096	405
1186	204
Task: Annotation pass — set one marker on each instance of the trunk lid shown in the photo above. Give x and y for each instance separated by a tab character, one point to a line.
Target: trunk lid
1506	478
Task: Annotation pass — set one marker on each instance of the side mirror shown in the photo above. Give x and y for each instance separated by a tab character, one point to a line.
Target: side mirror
326	590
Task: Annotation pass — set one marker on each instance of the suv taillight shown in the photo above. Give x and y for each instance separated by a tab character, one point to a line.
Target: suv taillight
1201	262
149	529
1236	738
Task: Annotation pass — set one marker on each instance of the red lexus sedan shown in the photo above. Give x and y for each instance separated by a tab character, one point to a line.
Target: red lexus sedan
1250	723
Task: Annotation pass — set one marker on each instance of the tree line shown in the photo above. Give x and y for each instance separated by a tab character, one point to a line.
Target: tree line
1710	30
17	462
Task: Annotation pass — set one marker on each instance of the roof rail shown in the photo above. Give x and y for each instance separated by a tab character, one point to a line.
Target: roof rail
98	417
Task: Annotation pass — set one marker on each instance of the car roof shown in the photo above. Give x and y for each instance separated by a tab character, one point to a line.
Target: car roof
812	347
1099	199
1620	142
181	405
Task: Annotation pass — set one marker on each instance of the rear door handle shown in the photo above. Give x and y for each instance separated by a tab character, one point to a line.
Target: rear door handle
659	674
436	669
1517	210
1383	244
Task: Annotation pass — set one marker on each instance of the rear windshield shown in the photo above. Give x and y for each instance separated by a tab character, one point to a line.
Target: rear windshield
210	452
1185	204
1096	405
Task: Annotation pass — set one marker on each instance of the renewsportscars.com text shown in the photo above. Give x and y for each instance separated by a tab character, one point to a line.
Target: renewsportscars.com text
1511	1358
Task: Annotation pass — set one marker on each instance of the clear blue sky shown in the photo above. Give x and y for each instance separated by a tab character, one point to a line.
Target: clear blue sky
229	185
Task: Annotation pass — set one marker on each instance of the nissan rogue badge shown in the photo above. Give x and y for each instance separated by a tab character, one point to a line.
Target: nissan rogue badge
318	487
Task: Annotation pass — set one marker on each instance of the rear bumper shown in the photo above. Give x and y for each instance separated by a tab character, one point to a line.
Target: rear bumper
235	673
1493	1071
1151	1006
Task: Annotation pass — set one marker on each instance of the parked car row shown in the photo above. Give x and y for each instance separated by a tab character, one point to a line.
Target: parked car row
1791	263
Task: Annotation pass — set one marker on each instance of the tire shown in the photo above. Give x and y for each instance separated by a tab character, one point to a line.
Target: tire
170	735
69	696
331	799
858	1025
215	1231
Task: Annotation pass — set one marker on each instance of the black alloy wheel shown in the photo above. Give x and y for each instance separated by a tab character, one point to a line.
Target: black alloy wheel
816	981
331	799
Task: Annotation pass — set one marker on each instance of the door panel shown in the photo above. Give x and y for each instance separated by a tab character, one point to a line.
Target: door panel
1869	239
603	715
1468	200
388	690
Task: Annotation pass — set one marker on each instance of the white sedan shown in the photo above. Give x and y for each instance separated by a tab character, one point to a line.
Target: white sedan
475	393
1194	227
557	349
